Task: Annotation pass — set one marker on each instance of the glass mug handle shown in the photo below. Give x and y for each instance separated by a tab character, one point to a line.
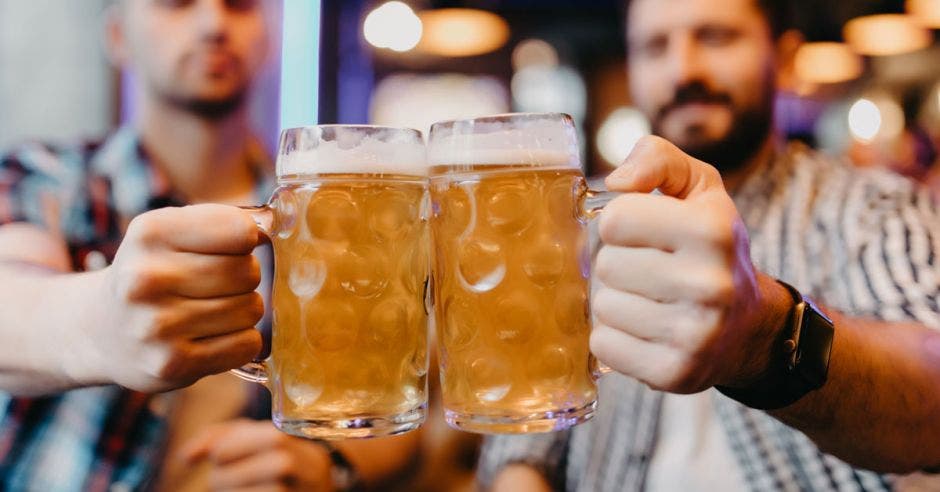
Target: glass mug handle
257	371
592	204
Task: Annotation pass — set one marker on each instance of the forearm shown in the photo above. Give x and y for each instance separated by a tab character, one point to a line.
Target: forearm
880	408
41	310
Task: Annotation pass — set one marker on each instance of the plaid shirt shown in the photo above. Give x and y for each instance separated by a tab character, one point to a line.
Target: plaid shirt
91	439
862	242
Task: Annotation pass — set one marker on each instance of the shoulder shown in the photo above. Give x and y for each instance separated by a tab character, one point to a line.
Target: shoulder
54	162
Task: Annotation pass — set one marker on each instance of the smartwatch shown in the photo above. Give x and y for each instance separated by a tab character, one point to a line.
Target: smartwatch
800	363
342	472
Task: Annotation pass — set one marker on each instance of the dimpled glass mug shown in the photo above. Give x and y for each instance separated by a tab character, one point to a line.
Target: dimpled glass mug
349	230
511	262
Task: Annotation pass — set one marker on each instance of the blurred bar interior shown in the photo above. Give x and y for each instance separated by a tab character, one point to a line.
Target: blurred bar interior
865	82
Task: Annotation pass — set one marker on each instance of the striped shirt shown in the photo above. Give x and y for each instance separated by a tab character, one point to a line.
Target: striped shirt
863	242
90	439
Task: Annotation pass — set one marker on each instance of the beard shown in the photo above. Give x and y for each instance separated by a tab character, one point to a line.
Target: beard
212	109
750	127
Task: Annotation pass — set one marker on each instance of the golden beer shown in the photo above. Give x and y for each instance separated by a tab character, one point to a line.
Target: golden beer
350	324
510	266
348	225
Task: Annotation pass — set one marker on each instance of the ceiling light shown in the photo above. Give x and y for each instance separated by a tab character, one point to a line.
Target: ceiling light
392	25
885	34
827	63
462	32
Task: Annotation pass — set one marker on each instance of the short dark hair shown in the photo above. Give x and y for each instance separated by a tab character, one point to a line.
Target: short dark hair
777	13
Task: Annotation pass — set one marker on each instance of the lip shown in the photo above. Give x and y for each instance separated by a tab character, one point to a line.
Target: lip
696	110
213	62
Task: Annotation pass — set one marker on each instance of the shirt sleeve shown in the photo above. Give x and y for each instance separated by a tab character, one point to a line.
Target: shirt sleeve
31	190
544	452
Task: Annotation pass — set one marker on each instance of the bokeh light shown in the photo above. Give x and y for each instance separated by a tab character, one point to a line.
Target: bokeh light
393	25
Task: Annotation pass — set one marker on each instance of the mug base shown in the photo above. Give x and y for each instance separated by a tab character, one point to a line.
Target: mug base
355	428
527	424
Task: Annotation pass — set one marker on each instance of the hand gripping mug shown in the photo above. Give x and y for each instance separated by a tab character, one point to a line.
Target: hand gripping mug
349	230
510	268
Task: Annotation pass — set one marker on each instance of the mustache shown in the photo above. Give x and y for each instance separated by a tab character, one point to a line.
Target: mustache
695	92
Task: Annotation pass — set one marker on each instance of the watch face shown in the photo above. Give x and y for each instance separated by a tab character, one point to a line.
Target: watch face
814	346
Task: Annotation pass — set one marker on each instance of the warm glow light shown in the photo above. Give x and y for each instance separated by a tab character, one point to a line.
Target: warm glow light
885	34
864	120
534	52
392	25
925	12
462	32
619	134
827	63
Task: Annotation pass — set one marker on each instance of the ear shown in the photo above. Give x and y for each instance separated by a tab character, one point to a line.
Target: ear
115	38
785	53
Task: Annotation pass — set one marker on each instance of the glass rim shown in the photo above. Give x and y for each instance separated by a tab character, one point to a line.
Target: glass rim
503	117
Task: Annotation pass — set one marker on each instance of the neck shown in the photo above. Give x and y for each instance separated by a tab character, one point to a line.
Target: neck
764	154
204	160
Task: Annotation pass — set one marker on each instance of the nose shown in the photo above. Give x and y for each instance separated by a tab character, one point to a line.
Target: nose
685	60
211	18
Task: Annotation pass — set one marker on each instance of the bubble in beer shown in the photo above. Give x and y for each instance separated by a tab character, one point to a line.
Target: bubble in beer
285	203
390	321
561	203
481	266
392	215
572	309
461	323
362	272
330	324
302	382
365	380
545	263
514	319
508	208
453	210
306	276
489	379
333	215
552	367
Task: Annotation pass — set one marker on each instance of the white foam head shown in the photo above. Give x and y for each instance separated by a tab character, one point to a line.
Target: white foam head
358	149
529	139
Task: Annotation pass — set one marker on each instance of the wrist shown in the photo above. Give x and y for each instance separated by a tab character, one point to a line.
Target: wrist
74	330
765	356
798	361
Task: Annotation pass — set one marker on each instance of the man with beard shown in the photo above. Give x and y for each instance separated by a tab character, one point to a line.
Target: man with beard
728	379
112	291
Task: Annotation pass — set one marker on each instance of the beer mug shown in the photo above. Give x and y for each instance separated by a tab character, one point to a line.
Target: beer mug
510	269
348	225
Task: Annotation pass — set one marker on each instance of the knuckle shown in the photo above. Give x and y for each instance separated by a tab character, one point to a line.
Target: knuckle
284	465
713	286
602	305
604	264
137	281
172	364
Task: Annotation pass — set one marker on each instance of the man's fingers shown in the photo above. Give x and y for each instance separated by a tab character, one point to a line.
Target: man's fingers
244	438
652	363
645	221
636	315
207	229
205	318
655	163
269	466
221	353
205	276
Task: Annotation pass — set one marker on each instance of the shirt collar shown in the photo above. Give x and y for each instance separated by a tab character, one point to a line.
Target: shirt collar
139	186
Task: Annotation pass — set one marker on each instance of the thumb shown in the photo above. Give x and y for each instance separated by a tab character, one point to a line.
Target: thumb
655	163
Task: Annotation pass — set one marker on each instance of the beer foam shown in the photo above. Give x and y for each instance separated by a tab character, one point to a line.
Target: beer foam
542	143
382	152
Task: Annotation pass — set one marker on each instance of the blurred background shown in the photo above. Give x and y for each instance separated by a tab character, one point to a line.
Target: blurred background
866	83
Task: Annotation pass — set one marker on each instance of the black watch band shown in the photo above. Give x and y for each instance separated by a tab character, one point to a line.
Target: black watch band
342	472
800	366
